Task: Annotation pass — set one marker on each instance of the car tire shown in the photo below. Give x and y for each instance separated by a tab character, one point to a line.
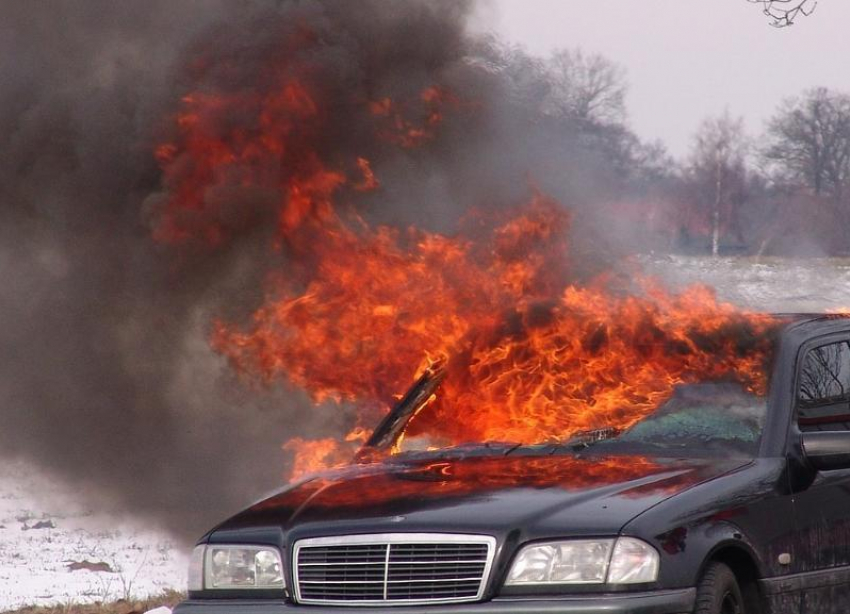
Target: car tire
718	592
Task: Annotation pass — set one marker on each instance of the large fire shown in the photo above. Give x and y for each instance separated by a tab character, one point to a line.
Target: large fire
362	310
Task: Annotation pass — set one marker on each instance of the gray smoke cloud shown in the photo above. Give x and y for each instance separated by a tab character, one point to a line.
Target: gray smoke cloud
107	379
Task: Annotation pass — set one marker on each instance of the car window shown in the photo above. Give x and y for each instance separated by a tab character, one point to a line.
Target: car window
823	399
705	418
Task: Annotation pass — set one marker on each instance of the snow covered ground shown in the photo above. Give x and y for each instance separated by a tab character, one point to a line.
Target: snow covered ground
53	549
775	285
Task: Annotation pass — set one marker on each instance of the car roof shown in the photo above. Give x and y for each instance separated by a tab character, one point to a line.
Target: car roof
809	323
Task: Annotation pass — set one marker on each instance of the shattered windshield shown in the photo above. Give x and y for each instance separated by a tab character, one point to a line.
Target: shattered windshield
709	417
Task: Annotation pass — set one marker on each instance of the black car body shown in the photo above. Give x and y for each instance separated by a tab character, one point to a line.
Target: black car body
776	515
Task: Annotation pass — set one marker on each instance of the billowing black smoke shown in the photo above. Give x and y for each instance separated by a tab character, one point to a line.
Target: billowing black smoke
107	379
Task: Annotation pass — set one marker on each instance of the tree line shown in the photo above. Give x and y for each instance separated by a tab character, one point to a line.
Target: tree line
785	192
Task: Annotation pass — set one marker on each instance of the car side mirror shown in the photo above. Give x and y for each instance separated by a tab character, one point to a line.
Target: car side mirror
827	450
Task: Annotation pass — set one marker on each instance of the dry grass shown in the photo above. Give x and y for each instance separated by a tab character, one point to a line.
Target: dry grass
168	598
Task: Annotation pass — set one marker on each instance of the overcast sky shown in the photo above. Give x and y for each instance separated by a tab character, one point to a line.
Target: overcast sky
687	59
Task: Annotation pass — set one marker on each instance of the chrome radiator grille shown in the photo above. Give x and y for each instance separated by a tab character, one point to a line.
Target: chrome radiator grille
392	569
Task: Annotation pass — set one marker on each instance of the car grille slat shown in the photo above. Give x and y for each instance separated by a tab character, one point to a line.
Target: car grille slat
341	575
392	569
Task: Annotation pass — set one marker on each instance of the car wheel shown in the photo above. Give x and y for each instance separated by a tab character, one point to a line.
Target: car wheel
718	592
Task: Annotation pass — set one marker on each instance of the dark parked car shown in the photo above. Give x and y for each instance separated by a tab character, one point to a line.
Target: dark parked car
720	501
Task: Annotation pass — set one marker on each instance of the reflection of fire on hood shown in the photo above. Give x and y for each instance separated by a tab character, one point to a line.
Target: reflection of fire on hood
445	479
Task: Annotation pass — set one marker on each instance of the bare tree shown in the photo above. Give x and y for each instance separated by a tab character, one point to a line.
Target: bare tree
718	172
585	88
824	374
523	76
809	143
783	12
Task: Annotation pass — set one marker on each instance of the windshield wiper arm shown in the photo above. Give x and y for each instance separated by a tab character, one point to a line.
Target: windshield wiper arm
488	448
585	439
394	423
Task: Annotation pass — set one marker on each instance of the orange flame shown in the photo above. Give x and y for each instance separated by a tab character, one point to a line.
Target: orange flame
368	182
407	133
212	153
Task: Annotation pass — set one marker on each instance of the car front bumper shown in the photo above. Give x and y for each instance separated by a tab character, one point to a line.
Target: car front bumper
680	601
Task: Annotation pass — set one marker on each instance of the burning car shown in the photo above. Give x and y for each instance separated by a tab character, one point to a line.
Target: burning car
728	497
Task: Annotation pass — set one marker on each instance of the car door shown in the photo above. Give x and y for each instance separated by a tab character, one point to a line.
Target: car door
822	502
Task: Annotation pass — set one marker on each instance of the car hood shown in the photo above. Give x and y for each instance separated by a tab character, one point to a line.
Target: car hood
528	496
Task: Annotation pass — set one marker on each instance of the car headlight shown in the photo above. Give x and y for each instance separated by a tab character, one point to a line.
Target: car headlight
585	561
235	567
633	562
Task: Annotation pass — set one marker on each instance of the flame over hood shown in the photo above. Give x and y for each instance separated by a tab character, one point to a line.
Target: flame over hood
362	309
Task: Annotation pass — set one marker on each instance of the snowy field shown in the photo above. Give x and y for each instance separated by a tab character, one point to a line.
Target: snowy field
774	285
53	549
